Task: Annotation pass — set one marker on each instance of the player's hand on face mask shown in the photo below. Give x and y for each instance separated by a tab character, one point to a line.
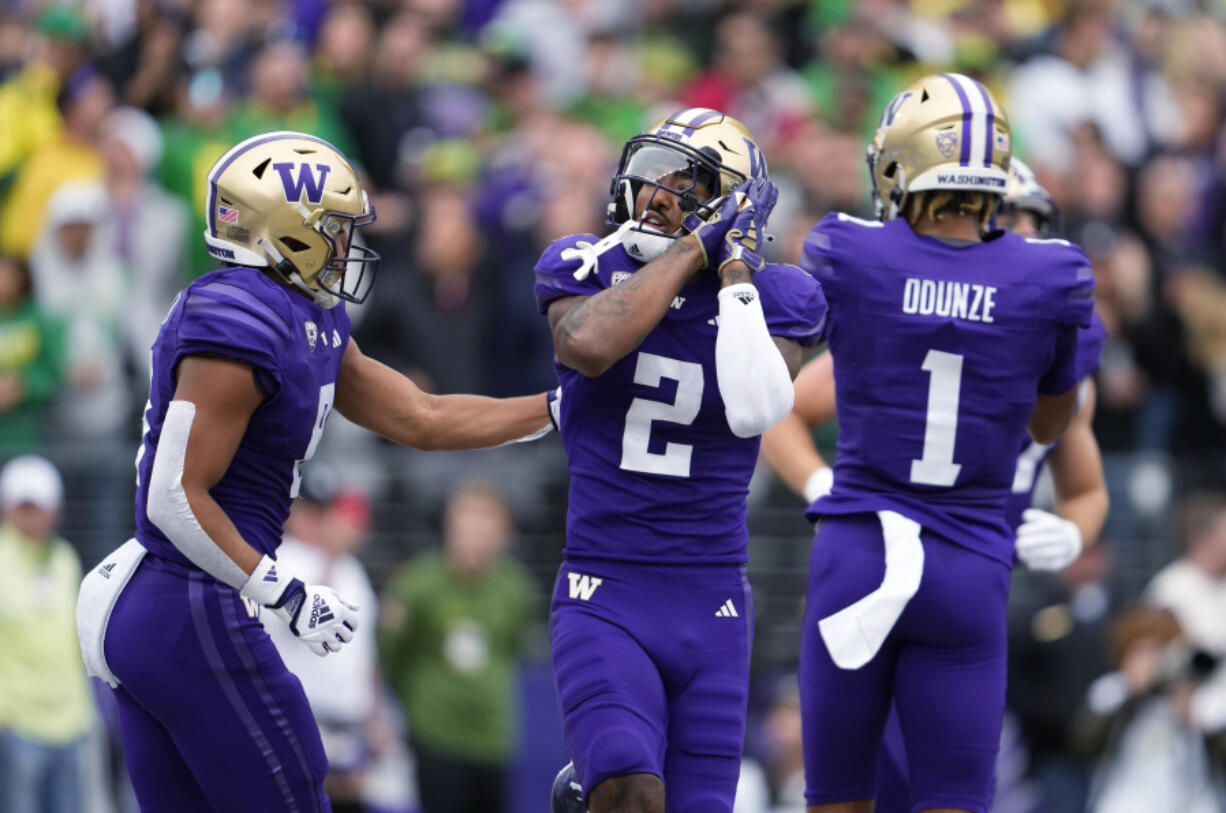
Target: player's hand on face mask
747	232
711	230
318	616
1046	541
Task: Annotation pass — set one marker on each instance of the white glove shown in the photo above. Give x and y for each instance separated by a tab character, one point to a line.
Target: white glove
316	614
1046	541
819	483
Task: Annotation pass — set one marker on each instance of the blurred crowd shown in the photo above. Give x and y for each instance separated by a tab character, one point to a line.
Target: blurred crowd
484	129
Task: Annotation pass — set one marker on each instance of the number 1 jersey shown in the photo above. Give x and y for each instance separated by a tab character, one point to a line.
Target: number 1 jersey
656	475
939	351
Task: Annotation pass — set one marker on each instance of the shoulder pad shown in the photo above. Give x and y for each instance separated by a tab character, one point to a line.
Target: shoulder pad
567	268
793	303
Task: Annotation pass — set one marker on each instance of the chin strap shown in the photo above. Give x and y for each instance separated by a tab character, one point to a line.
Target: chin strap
286	269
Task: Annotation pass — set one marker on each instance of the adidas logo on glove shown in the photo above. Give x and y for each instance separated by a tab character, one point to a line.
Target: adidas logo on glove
321	613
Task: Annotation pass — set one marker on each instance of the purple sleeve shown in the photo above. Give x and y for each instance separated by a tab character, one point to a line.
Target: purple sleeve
555	277
222	319
1090	347
1062	375
1073	291
817	256
793	302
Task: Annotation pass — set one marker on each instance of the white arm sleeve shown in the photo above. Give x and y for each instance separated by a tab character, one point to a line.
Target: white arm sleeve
753	377
168	507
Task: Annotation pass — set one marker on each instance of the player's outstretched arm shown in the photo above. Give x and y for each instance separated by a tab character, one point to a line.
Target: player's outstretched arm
788	445
1077	472
591	333
375	396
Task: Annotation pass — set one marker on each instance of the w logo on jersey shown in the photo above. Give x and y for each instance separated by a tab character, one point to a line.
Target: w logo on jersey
582	587
306	181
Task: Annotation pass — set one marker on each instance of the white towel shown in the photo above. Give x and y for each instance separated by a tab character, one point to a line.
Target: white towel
99	590
855	633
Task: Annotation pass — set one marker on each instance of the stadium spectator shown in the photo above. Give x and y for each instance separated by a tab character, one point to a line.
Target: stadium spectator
70	154
1157	724
452	627
326	525
31	361
45	703
1193	587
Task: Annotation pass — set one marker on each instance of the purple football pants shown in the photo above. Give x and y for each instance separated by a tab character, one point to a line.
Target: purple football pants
942	663
651	665
209	716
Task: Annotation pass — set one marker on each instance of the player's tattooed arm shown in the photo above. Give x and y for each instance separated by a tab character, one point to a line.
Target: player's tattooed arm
735	273
376	397
591	333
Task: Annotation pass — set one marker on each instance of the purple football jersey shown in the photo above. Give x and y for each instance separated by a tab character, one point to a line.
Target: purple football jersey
1033	455
655	472
939	351
294	346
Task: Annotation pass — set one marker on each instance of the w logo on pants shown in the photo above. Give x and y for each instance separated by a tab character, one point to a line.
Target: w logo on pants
306	181
582	587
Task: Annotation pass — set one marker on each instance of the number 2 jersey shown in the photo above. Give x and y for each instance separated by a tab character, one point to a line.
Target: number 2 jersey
656	475
939	351
294	348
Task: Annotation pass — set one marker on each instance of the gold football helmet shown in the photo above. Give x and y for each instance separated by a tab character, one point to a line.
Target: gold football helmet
1024	193
290	201
702	153
944	131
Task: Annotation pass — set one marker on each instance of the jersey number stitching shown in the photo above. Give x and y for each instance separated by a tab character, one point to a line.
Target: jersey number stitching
675	459
326	395
937	466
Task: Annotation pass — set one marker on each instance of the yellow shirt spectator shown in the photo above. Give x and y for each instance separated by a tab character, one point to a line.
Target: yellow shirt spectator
28	115
44	694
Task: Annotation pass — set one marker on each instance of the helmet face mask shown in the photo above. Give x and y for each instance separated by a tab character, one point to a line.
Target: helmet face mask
698	155
942	132
292	203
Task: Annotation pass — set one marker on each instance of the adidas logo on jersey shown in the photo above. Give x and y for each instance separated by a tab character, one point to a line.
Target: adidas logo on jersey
727	611
271	575
320	613
745	297
105	570
582	587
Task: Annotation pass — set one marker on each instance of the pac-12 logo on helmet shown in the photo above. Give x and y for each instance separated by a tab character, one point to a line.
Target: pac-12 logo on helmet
567	794
696	153
291	202
944	131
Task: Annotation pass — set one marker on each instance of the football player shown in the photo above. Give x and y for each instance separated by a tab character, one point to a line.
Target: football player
247	366
1044	541
675	347
947	344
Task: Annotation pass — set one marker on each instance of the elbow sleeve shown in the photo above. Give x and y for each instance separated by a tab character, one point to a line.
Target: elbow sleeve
168	507
753	378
